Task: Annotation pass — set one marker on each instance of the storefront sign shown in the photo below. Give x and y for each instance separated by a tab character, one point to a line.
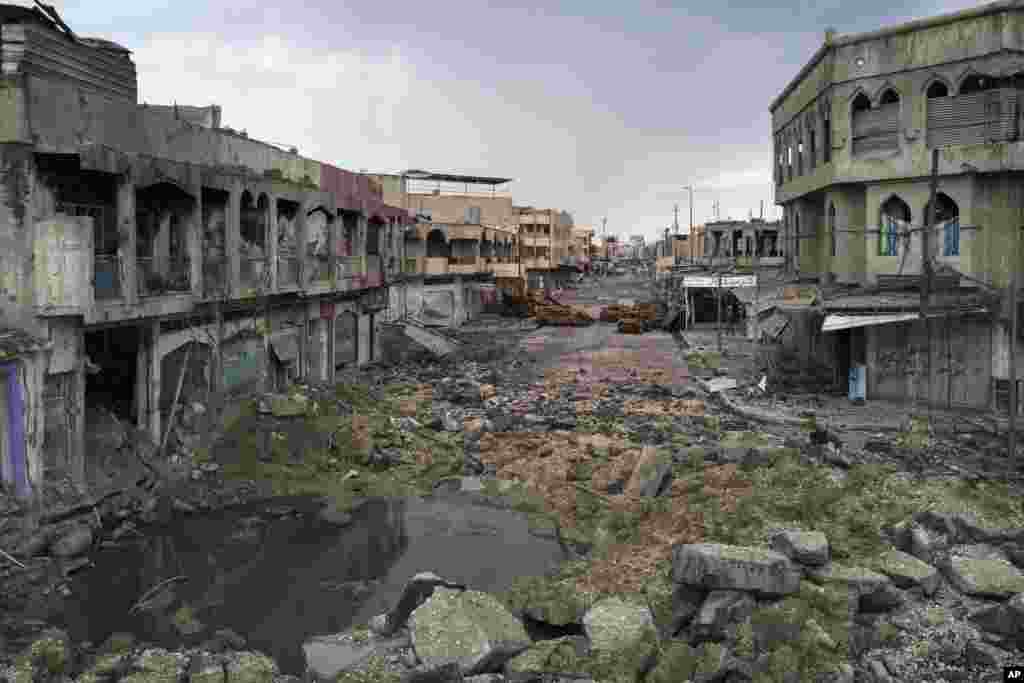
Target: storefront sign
724	281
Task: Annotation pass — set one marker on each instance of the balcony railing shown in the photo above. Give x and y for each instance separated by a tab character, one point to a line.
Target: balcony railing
505	269
151	282
349	267
288	265
252	273
412	265
465	265
107	276
435	265
320	271
373	270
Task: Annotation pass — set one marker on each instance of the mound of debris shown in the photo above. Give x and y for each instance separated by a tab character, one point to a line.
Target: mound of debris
547	311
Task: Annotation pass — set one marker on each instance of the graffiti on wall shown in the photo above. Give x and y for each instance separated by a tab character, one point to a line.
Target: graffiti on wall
244	362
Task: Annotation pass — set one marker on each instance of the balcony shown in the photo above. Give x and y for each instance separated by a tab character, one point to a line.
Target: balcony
505	269
435	265
252	274
215	270
320	272
464	265
348	269
532	240
413	265
373	270
288	266
151	282
107	277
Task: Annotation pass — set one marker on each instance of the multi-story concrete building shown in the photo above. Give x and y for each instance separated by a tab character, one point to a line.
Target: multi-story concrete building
545	235
465	235
148	244
734	242
854	136
581	247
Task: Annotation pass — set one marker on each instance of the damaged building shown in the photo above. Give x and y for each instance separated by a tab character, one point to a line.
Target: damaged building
854	136
460	248
151	256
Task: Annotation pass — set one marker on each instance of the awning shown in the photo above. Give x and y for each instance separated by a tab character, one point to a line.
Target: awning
835	322
286	347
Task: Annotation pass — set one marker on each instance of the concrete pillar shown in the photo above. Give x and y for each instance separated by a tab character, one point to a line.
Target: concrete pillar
142	385
301	239
194	231
272	242
77	455
128	235
162	243
232	239
154	381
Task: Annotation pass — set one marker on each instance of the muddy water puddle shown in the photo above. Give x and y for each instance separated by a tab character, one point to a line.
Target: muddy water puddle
277	572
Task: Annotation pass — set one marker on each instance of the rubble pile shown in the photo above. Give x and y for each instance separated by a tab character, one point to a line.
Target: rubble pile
547	311
789	372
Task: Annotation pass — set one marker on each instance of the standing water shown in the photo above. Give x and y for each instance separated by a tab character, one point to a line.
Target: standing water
278	572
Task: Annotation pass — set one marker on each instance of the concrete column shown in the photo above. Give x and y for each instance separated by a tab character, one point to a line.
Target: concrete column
194	228
142	386
272	238
301	238
128	235
232	239
363	350
77	455
154	381
162	243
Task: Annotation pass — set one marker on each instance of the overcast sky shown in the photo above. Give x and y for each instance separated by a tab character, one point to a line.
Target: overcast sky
596	107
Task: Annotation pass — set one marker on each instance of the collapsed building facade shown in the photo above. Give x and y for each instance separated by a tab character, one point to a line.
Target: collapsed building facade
854	135
156	257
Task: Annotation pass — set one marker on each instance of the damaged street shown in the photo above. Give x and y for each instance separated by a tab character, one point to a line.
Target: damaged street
556	484
268	416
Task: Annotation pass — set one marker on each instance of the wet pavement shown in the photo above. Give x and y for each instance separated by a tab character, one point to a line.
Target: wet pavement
277	572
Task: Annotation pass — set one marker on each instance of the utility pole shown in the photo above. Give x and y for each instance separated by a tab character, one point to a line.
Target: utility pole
718	302
926	272
1013	353
675	219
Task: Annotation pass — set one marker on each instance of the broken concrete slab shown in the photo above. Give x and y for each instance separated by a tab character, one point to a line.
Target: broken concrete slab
718	566
718	384
906	571
984	577
805	547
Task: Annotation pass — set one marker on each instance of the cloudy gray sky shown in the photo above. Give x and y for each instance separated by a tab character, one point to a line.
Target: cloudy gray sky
600	108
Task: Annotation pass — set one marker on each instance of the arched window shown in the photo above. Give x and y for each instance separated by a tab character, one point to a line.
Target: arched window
976	83
890	96
937	89
860	103
894	218
947	214
832	227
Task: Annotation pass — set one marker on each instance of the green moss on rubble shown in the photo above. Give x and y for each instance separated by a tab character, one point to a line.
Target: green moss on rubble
819	617
743	440
680	661
556	597
790	492
325	471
